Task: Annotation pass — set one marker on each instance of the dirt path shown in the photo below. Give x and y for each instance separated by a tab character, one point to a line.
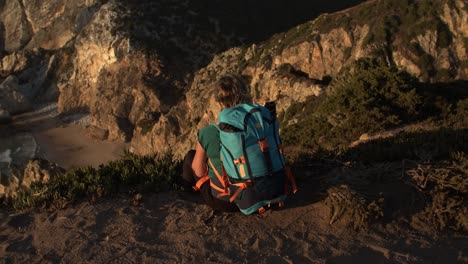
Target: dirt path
177	228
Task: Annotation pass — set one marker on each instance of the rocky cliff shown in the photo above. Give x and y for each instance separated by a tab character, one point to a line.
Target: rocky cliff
144	70
428	39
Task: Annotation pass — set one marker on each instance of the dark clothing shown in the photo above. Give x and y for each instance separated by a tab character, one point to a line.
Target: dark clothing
215	203
208	137
189	179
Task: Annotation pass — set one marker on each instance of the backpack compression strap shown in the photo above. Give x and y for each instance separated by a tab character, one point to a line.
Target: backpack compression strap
200	182
222	191
241	187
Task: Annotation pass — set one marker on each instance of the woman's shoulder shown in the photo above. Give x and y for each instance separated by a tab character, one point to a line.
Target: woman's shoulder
209	130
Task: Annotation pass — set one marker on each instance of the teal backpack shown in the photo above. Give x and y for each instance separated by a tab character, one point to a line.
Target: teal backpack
252	157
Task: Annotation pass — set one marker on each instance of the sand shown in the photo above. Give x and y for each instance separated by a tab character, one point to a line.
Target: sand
64	142
176	227
69	147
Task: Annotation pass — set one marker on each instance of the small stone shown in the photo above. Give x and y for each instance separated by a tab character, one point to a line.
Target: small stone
11	99
97	133
364	137
5	116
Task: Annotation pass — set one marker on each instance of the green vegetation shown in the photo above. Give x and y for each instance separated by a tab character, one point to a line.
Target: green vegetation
148	122
399	21
132	173
387	17
419	174
367	96
458	118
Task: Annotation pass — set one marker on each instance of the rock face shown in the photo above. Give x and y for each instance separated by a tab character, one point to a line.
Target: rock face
14	26
35	171
144	70
289	67
15	151
11	97
39	171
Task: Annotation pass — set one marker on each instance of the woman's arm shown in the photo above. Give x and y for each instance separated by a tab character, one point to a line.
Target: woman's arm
199	161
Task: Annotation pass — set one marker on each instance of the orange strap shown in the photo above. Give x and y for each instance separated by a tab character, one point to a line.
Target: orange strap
221	191
241	186
261	210
291	179
221	195
263	145
200	182
224	189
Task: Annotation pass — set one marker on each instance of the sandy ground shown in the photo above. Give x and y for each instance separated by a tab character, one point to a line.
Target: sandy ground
176	227
65	143
69	147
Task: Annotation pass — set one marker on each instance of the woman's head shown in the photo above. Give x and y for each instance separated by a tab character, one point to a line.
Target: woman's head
231	90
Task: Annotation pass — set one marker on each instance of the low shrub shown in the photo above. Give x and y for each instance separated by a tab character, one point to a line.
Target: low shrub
132	173
367	96
445	184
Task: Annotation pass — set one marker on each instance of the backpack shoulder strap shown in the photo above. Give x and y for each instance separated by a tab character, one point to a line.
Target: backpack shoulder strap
214	125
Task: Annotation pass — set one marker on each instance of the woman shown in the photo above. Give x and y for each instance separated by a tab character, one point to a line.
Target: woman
203	166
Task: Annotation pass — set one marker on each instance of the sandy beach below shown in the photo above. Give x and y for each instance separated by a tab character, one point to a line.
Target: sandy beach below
69	146
63	142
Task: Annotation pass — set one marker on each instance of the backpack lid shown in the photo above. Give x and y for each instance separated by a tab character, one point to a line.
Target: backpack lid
235	116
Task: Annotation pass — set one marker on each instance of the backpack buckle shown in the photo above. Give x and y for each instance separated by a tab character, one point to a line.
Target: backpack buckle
241	159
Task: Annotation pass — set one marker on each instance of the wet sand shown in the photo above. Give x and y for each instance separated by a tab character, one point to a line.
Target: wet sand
69	146
65	143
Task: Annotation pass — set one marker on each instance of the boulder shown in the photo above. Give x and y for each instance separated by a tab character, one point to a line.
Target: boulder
9	188
56	22
15	62
97	133
35	171
42	14
5	116
15	26
39	171
11	99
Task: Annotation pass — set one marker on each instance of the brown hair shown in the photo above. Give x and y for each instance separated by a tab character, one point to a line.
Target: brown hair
232	90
